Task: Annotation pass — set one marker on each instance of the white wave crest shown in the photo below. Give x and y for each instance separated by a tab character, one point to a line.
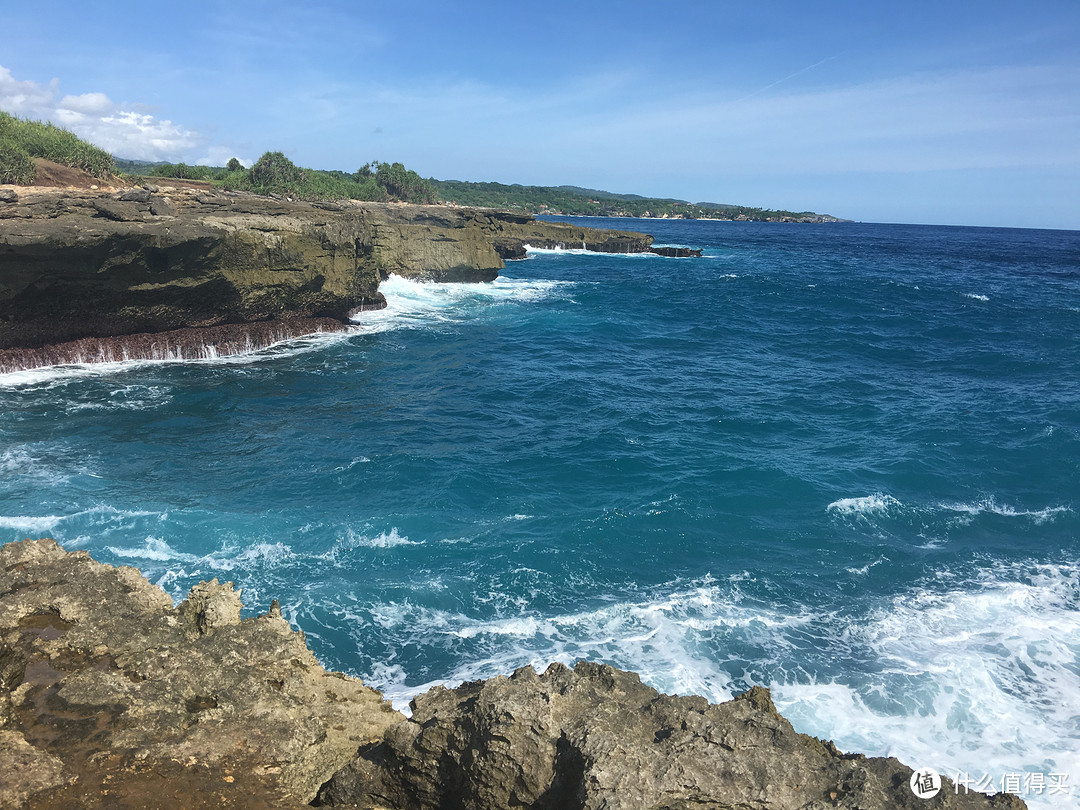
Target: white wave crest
30	524
353	539
155	549
990	506
62	527
158	550
412	303
867	504
977	297
568	251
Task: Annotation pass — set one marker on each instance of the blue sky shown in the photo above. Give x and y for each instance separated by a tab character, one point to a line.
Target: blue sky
946	112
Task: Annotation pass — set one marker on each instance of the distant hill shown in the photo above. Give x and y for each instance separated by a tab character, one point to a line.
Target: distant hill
577	201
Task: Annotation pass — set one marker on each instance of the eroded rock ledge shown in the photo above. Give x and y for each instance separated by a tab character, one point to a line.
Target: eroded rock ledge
112	697
87	265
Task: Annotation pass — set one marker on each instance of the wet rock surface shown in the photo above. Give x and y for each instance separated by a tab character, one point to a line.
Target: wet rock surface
596	737
110	696
177	344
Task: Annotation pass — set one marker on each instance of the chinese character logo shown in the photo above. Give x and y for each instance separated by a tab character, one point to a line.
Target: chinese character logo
925	783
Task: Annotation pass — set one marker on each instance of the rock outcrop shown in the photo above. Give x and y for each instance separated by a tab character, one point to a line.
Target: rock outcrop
596	737
112	697
514	232
83	264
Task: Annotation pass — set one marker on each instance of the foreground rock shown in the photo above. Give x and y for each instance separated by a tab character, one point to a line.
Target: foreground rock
80	264
110	696
596	737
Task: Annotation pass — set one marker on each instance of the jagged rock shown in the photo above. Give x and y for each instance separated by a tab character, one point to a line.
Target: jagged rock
676	252
120	211
596	737
9	195
511	235
110	696
144	704
161	207
210	606
139	195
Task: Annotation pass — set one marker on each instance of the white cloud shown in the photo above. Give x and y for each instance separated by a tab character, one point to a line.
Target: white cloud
122	130
88	104
28	99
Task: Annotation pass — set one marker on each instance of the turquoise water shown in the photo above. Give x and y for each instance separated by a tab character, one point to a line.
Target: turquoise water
842	461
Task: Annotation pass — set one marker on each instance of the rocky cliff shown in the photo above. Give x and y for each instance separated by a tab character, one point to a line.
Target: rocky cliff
79	265
112	697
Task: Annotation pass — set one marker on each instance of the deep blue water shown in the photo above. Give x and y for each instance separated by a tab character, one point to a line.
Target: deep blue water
842	461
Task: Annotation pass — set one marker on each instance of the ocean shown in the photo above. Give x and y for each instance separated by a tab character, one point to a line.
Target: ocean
838	460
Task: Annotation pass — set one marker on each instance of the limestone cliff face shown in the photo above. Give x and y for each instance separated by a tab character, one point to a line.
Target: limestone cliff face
86	265
434	244
77	265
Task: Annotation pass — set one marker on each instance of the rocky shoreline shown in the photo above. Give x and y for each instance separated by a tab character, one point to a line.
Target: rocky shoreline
111	696
108	268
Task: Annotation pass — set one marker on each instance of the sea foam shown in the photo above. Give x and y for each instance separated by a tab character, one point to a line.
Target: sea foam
423	304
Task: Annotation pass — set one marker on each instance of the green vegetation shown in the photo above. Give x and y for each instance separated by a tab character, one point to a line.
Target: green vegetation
575	201
22	140
274	173
16	166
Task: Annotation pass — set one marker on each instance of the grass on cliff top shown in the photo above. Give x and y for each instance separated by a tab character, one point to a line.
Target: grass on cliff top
22	140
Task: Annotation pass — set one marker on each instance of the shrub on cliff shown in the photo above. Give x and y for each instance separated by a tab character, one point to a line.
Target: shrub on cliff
38	139
275	173
16	166
404	184
181	171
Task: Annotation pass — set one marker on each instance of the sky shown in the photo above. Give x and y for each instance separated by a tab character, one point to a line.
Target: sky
947	112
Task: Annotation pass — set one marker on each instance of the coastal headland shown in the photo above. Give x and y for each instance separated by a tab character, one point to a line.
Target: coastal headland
176	272
111	696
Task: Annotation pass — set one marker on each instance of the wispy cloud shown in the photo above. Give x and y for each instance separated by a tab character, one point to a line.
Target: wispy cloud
991	119
790	76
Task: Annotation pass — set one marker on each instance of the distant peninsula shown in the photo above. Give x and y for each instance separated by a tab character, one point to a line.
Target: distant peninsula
575	201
